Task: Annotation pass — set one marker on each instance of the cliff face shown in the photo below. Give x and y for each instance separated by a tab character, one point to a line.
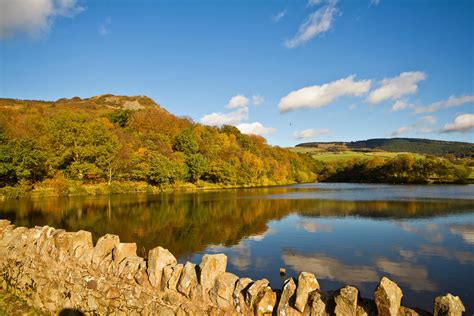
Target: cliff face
55	271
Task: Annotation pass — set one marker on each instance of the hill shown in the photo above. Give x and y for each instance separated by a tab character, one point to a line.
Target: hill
414	145
111	139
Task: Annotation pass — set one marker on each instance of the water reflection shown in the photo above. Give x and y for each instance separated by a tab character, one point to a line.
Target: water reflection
334	231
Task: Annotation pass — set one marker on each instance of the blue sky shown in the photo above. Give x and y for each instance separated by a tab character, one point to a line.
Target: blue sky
291	70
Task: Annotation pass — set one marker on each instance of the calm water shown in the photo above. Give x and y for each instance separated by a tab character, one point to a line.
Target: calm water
420	236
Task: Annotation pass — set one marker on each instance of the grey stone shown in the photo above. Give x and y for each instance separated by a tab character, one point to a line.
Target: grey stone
287	296
239	295
103	249
123	250
188	279
221	293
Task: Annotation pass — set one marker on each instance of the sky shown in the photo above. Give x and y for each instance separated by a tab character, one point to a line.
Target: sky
292	71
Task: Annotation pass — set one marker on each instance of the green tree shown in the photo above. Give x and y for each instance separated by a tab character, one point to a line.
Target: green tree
197	166
186	142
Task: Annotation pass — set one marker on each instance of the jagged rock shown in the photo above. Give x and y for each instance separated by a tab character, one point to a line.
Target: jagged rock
129	266
211	266
346	301
254	291
287	297
141	277
170	277
81	243
104	247
123	250
448	305
318	303
306	283
366	307
405	311
188	279
158	258
222	291
388	297
266	303
239	295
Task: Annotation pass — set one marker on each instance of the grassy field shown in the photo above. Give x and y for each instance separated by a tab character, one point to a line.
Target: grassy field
326	156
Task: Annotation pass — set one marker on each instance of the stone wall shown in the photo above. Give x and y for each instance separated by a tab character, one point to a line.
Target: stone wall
54	271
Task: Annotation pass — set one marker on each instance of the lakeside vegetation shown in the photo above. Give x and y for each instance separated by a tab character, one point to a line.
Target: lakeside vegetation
113	144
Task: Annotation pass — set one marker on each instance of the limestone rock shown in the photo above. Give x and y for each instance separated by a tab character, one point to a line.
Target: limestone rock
158	258
388	297
211	266
170	277
448	305
287	296
405	311
81	243
104	247
318	303
254	291
306	283
266	303
123	250
221	293
141	277
346	301
188	279
239	295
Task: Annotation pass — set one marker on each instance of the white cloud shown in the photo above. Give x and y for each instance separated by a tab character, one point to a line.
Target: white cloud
352	107
257	99
374	2
401	130
396	87
318	96
310	133
237	101
33	17
277	17
462	123
400	105
231	118
452	101
423	125
255	128
104	28
317	23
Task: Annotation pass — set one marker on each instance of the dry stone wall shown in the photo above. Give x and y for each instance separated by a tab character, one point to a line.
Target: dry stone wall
54	271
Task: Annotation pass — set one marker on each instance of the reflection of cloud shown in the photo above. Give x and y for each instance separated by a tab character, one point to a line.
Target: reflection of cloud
416	277
462	256
466	231
407	254
429	231
329	268
259	237
313	227
241	257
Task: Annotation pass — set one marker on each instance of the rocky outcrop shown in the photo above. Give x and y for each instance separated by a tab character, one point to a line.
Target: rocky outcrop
54	270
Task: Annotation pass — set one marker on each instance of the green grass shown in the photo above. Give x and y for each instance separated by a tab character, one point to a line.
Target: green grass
326	156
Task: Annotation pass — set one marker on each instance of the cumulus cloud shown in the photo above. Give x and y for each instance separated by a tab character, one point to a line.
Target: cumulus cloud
318	96
231	118
310	133
423	125
400	105
277	17
255	128
452	101
396	87
257	99
462	123
317	23
374	2
33	17
237	101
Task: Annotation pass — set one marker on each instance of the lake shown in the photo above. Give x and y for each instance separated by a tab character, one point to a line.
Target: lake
422	237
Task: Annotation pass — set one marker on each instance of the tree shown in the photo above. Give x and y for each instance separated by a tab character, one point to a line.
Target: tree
82	146
197	165
186	142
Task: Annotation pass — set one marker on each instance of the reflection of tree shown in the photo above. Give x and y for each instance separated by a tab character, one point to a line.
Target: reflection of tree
186	223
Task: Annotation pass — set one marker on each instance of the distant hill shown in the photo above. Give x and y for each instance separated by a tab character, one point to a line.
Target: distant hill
415	145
